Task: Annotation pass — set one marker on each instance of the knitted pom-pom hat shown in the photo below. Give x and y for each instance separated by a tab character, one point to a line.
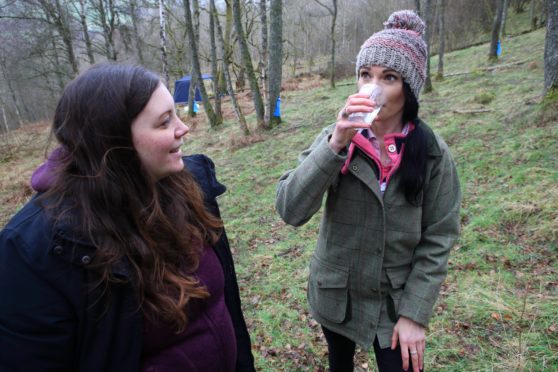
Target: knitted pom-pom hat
398	46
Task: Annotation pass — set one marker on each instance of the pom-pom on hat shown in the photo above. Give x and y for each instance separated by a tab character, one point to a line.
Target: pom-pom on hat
398	46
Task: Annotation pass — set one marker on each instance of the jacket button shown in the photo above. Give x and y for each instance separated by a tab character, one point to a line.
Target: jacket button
319	283
355	168
86	260
58	250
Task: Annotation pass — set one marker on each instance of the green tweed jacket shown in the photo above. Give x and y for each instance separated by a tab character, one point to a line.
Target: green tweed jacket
377	257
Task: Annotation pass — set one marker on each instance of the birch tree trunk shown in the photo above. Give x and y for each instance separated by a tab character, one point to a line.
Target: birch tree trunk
163	40
551	48
193	78
496	27
275	58
442	42
427	36
230	89
262	66
196	64
247	61
214	72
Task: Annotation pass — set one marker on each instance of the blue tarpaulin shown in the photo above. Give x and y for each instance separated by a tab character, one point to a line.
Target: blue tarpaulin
182	87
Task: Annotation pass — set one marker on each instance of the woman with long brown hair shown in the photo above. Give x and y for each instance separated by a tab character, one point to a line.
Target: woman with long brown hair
120	263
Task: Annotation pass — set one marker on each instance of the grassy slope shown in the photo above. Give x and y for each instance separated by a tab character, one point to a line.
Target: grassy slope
498	307
497	310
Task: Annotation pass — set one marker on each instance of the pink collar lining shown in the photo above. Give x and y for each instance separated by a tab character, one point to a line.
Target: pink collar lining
364	144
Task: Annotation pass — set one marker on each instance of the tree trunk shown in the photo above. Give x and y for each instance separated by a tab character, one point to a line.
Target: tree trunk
106	20
193	78
532	16
247	61
262	66
136	36
216	95
5	120
196	64
417	6
427	36
442	42
333	12
275	58
504	18
11	89
59	16
551	48
332	31
85	28
226	72
163	40
496	27
59	71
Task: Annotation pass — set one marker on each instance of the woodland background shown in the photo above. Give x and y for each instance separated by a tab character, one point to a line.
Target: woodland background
497	309
45	43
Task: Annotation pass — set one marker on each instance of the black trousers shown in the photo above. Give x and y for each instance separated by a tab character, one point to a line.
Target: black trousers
342	351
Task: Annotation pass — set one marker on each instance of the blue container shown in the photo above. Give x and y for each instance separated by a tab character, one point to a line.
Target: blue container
277	111
498	49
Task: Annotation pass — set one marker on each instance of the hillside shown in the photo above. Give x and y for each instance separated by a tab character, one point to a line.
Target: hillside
497	310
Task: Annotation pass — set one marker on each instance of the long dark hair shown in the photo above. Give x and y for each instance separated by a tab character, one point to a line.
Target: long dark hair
159	227
413	164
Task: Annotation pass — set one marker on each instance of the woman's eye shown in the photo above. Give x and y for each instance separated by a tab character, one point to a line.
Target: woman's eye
364	74
391	77
166	121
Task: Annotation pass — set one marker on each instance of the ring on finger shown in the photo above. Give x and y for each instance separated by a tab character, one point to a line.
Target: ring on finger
413	352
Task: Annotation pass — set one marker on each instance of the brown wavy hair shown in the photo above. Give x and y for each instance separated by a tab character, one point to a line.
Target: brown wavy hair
159	227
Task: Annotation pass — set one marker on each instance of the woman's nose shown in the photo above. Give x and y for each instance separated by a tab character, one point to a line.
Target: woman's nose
181	130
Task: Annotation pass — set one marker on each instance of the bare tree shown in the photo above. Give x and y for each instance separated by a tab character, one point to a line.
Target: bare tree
551	48
496	28
85	29
333	12
193	77
58	15
106	20
163	41
504	18
417	6
275	58
10	85
196	64
226	72
133	6
262	65
442	38
249	68
427	36
213	49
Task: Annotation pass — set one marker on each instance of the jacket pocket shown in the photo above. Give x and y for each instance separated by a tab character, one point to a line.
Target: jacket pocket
328	290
